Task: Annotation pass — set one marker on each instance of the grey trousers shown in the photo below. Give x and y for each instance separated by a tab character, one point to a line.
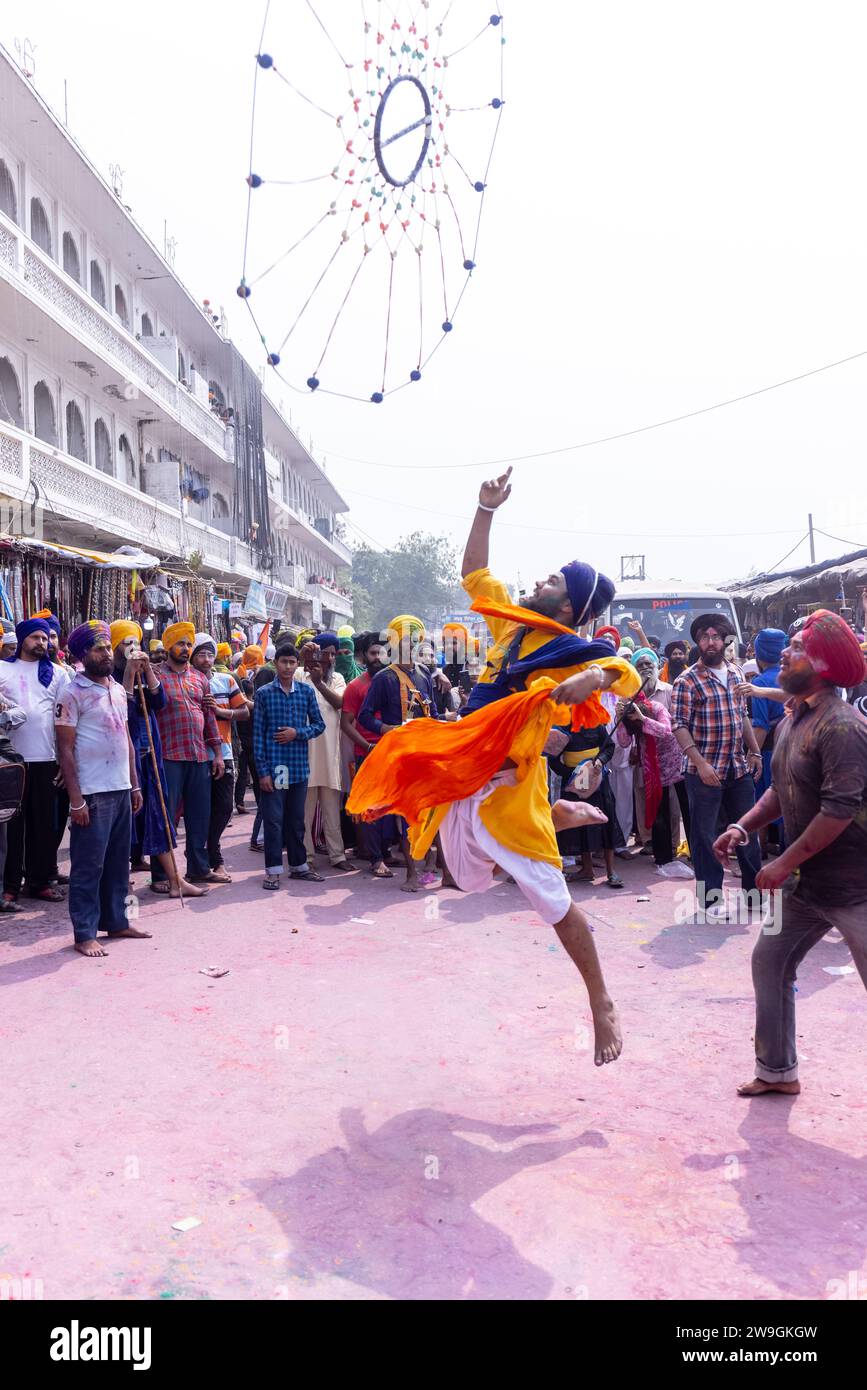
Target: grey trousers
776	957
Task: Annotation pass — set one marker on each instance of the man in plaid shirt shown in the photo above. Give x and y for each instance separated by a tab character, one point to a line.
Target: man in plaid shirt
286	717
710	722
188	727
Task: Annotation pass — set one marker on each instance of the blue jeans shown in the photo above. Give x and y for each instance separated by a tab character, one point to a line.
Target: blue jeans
99	866
734	798
283	818
189	783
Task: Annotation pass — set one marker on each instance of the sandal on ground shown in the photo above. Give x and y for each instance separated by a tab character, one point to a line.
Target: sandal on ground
307	876
162	887
382	873
258	849
10	905
271	884
47	895
344	867
615	881
577	876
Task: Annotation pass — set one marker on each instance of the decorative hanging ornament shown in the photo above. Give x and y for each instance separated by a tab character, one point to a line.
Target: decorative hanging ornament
373	133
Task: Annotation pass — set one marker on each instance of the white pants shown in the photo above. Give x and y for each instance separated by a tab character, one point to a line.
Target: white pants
472	854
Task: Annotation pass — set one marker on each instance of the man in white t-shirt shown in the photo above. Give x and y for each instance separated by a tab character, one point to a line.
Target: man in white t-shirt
33	682
98	762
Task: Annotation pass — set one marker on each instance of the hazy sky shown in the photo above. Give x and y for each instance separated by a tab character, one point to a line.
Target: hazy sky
675	215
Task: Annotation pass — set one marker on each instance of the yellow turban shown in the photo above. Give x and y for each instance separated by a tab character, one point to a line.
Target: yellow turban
176	632
224	651
406	626
156	644
308	635
346	631
122	629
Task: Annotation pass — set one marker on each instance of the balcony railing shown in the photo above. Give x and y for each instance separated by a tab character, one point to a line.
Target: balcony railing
331	599
88	320
69	489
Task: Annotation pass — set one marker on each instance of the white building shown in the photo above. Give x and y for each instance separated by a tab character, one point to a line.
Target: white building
126	412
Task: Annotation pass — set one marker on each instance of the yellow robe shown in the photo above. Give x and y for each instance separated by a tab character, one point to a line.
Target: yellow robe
519	817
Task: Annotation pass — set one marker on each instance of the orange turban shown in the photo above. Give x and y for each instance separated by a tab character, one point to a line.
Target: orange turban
122	629
176	632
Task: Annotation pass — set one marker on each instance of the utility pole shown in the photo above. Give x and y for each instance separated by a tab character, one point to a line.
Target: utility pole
812	544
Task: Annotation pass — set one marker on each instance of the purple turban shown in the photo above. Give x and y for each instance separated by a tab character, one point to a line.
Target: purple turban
589	592
26	629
82	638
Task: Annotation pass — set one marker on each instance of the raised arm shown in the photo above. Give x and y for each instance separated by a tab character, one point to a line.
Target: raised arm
492	495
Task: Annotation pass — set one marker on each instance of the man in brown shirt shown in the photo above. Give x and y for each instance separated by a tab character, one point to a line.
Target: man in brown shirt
819	786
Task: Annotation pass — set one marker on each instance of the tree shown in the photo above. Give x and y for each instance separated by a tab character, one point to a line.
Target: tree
419	575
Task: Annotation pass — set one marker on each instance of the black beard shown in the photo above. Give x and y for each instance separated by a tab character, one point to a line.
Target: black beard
547	606
676	664
374	667
713	658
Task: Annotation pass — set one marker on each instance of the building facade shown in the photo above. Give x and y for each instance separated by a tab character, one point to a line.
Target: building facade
127	416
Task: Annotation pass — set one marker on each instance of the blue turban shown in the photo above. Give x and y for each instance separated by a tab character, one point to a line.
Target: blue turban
26	629
645	651
327	639
589	592
769	644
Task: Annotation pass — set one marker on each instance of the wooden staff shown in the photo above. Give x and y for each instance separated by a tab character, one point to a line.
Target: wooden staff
159	785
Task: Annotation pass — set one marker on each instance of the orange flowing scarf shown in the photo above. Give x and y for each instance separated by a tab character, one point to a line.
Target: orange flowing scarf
430	762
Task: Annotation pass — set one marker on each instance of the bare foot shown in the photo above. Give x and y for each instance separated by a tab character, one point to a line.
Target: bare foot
129	931
764	1088
447	881
608	1039
571	815
90	948
411	886
219	876
189	890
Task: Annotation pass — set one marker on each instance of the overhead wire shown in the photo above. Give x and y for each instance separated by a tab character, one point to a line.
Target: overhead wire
608	438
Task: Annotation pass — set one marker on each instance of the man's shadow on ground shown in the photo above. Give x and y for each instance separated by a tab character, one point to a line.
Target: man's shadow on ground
391	1210
806	1203
687	943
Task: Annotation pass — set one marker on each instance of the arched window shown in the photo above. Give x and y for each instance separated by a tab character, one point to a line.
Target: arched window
120	306
102	447
128	469
40	227
76	440
71	262
219	507
97	283
8	196
147	328
10	395
44	416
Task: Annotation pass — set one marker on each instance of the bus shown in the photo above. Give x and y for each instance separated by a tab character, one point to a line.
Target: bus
665	610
